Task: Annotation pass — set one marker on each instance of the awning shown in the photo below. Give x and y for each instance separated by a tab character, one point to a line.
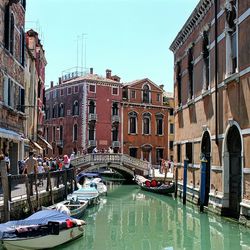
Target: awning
36	145
10	134
44	141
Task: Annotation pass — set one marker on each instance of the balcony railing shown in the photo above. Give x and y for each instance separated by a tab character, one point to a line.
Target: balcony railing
92	117
115	144
115	118
92	143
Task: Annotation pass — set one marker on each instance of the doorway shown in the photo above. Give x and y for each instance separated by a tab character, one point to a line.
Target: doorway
235	170
206	152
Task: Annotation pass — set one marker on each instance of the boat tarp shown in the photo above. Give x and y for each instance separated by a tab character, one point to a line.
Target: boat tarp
38	218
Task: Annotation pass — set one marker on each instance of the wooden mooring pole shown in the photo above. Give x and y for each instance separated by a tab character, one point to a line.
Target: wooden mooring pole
5	186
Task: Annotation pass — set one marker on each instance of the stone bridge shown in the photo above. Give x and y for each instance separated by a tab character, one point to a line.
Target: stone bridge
124	164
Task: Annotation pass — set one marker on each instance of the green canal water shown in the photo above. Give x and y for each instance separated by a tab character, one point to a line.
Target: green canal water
131	219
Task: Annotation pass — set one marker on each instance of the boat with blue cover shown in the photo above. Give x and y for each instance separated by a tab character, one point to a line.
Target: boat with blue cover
42	230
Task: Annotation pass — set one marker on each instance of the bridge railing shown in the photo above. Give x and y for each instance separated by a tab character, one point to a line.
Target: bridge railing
102	158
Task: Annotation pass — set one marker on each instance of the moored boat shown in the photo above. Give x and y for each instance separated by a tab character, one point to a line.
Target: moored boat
42	230
87	179
85	193
154	186
76	208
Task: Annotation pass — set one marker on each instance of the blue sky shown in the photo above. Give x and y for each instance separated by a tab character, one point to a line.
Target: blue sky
130	37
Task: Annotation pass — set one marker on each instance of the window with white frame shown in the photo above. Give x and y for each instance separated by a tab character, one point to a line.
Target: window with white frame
179	83
133	94
206	59
191	71
114	91
189	152
69	90
132	122
146	123
159	124
92	107
14	94
75	108
76	89
61	110
92	88
146	94
231	37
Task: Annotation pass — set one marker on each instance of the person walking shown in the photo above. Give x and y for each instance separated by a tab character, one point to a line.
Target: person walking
30	164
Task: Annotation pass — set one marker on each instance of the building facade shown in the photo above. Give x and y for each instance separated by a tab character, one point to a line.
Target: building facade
144	121
84	112
212	104
12	89
35	94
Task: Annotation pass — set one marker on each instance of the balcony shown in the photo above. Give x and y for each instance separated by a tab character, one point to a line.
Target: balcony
92	143
115	118
59	143
115	144
92	118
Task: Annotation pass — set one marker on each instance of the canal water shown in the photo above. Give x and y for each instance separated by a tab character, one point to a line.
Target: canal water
131	219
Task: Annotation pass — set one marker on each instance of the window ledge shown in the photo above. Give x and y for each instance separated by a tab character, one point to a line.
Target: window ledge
206	92
235	77
190	102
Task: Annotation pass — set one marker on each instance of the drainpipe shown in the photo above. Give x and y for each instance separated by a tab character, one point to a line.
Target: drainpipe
216	70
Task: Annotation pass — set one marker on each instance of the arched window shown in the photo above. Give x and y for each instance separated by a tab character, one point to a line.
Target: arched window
75	132
75	108
146	94
132	123
91	107
115	109
61	110
159	124
146	123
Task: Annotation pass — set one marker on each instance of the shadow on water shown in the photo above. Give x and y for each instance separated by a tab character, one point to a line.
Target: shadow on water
129	218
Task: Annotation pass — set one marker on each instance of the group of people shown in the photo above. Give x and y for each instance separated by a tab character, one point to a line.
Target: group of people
166	166
109	151
43	164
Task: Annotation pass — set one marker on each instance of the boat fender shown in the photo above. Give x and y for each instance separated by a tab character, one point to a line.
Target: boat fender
69	223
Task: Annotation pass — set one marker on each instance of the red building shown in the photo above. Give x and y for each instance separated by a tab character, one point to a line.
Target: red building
145	121
83	112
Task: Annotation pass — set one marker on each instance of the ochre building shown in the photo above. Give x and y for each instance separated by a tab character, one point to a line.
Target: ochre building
212	104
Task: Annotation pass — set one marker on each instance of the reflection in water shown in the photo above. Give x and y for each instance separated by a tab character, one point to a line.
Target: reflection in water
129	218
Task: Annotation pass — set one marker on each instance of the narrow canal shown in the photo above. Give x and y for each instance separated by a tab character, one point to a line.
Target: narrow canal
129	218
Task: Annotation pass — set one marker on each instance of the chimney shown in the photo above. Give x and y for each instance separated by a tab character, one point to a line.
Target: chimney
51	84
108	73
60	80
91	71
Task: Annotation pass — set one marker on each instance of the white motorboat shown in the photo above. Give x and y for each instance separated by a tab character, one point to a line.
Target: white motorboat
92	180
42	230
85	193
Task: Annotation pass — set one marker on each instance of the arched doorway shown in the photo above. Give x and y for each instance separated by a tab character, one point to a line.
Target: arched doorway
235	170
206	151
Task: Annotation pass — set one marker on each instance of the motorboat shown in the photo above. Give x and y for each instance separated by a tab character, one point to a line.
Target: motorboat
42	230
85	193
88	179
73	207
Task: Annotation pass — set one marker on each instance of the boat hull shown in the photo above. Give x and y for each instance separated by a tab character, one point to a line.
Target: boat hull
43	242
159	190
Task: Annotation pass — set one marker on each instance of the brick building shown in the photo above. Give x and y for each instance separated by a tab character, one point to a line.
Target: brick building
212	103
83	112
12	91
144	121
